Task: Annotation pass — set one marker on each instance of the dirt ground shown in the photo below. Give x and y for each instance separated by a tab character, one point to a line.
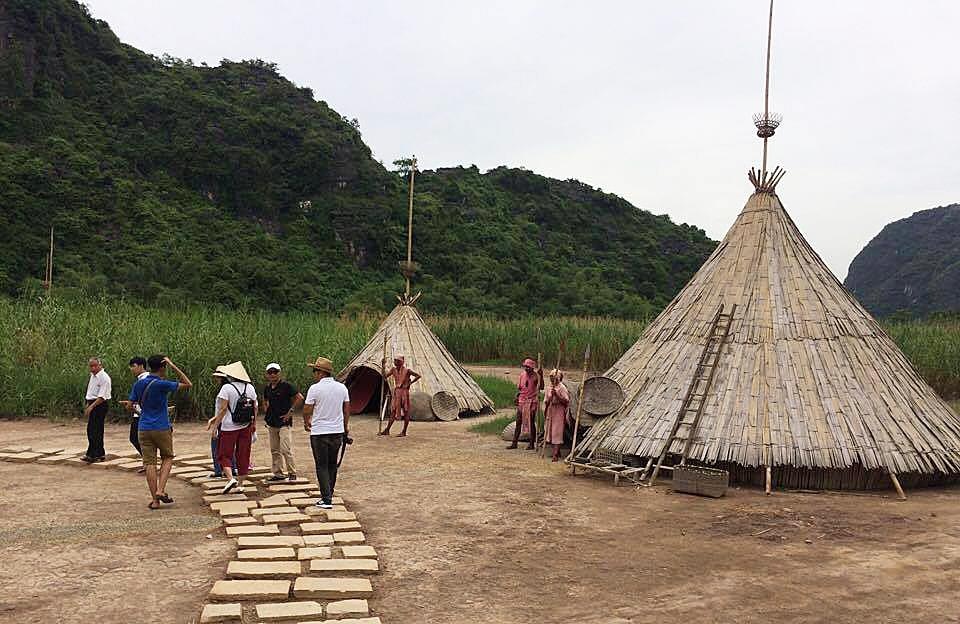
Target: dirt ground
468	531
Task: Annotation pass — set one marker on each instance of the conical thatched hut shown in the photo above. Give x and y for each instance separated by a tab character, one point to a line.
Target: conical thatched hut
406	331
804	382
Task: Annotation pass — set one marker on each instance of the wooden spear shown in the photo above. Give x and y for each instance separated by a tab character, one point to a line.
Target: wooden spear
576	424
383	383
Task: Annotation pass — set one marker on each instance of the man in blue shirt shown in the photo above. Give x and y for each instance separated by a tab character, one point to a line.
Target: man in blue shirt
155	432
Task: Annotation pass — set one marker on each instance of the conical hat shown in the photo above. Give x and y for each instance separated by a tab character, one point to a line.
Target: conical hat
234	370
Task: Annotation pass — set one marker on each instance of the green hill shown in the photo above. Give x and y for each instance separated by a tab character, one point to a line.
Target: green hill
912	266
168	182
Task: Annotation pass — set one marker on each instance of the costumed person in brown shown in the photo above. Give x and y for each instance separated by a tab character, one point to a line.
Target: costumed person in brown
557	406
400	403
528	398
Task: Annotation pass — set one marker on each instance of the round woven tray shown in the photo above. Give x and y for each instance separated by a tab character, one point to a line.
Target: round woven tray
420	408
601	396
445	406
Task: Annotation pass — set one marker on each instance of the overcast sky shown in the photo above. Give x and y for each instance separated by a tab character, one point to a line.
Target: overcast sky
648	100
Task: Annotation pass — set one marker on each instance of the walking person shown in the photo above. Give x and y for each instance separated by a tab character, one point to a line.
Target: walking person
527	401
326	416
99	391
138	367
280	399
556	408
403	378
155	431
235	420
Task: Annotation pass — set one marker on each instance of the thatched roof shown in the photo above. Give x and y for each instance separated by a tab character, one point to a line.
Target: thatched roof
406	330
806	378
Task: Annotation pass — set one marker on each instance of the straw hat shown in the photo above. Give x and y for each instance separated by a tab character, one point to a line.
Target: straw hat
234	370
323	364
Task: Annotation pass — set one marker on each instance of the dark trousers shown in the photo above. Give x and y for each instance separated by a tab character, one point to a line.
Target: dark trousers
95	431
326	449
135	434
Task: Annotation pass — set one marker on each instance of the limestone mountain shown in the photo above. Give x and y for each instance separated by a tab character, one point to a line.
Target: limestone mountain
912	265
169	182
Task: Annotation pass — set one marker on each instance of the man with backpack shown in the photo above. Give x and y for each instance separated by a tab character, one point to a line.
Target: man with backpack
155	432
236	418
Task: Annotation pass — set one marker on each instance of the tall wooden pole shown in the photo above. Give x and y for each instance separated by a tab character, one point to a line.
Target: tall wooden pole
413	169
383	383
766	92
49	275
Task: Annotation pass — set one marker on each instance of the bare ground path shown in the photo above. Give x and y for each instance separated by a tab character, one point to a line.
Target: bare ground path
470	532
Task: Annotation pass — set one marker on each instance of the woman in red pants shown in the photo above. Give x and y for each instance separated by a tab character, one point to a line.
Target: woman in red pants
236	419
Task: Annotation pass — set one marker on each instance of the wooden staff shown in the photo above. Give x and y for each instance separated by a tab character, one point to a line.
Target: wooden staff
576	424
383	383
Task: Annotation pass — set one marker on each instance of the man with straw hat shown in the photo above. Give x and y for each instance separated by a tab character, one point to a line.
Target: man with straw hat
528	399
326	415
236	417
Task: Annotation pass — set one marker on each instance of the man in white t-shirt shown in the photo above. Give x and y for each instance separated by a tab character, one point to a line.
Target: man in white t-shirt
326	415
99	392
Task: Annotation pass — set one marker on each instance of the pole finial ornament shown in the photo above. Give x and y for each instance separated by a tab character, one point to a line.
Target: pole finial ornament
766	123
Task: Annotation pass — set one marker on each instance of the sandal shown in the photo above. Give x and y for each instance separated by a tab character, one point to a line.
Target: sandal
154	504
163	498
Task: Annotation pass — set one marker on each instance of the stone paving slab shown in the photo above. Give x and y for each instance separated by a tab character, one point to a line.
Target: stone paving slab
186	476
313	510
303	487
358	552
176	470
264	569
371	620
354	566
250	590
348	607
278	611
318	540
224	498
349	537
22	457
204	480
304	501
53	459
277	500
279	541
242	505
16	448
112	463
336	500
231	612
239	520
253	529
314	552
197	462
282	519
339	516
190	457
50	450
131	454
332	588
308	528
76	461
272	511
131	466
267	554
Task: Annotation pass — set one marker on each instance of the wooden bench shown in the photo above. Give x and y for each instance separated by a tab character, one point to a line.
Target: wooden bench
609	462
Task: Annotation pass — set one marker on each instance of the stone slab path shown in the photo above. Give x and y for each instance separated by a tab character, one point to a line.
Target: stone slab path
294	562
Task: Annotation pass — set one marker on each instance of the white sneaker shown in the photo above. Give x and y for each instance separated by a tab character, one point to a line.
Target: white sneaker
232	483
323	505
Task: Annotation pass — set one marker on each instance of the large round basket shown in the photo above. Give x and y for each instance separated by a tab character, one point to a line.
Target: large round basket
445	406
420	409
601	396
508	433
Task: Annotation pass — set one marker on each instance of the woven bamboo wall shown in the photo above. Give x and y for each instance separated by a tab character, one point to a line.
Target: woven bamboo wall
806	379
425	354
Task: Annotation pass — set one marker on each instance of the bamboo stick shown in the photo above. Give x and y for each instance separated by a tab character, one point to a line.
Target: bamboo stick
896	486
576	424
383	383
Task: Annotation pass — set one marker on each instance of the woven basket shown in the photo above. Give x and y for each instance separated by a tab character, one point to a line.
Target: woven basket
700	480
445	406
601	396
420	409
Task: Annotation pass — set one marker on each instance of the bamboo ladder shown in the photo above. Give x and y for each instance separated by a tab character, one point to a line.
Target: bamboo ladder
684	427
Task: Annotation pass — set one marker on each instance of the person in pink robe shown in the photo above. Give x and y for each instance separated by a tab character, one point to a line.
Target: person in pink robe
400	402
557	402
528	399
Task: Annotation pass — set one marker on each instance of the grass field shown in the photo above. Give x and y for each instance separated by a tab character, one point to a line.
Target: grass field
45	345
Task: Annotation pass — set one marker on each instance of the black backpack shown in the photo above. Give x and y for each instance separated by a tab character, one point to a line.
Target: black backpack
242	413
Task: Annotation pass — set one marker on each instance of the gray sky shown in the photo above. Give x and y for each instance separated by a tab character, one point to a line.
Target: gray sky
648	100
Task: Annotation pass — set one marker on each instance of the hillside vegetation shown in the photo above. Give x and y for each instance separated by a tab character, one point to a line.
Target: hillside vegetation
171	183
912	266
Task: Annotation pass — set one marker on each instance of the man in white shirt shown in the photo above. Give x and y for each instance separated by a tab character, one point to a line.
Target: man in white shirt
326	415
99	389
